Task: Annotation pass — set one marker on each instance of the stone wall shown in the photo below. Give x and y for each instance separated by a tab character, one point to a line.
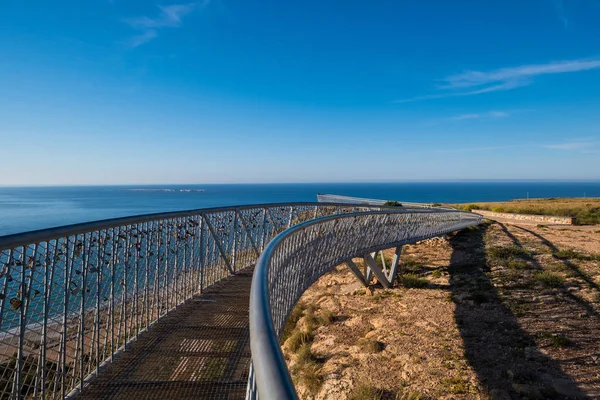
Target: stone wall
540	219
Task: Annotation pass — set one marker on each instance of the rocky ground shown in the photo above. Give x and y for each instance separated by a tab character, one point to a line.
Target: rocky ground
494	312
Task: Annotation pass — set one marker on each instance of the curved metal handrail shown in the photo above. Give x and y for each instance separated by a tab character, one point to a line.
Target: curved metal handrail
20	239
300	255
73	297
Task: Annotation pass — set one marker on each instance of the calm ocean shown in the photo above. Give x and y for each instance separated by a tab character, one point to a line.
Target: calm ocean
29	208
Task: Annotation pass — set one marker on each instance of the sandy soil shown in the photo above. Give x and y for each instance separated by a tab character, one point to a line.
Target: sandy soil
483	327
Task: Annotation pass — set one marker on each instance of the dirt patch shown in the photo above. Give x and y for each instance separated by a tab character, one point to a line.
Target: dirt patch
507	312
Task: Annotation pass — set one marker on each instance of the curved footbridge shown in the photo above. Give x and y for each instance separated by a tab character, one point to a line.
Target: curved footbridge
156	306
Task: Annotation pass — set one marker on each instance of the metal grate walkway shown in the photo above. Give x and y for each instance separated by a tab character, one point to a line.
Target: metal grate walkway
200	350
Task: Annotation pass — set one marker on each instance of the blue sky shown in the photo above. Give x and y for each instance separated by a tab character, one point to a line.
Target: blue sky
132	91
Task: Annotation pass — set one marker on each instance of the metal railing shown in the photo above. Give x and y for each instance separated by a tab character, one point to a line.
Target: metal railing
72	298
337	199
299	256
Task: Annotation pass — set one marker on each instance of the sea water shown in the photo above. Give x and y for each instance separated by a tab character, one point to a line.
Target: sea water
30	208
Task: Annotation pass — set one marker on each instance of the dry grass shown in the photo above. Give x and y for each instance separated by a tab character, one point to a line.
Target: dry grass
367	392
584	210
298	339
507	303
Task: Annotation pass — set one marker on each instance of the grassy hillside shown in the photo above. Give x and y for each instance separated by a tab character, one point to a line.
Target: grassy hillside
585	210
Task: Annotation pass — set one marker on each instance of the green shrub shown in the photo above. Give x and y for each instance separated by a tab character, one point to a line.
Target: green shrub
292	320
413	281
505	252
570	254
558	340
392	203
327	317
309	375
411	265
367	392
549	279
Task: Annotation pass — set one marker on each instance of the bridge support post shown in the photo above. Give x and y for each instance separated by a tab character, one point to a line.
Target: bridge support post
370	261
356	271
386	275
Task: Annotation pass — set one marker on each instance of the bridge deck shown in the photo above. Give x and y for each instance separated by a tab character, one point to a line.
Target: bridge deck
200	350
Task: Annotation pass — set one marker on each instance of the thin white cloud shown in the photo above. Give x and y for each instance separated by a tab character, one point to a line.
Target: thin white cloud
168	17
585	146
508	78
477	82
477	149
490	114
144	37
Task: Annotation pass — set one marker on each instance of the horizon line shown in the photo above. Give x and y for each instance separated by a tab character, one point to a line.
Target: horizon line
563	180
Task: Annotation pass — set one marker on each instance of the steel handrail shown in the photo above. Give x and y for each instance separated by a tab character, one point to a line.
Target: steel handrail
298	256
73	297
20	239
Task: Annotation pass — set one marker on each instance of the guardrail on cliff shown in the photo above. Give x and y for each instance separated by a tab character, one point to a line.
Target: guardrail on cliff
73	297
335	198
297	257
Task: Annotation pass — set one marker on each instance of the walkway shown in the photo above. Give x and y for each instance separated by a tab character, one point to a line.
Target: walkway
201	350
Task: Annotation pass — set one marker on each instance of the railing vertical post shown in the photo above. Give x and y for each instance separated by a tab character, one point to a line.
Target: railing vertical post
63	345
84	267
113	278
202	253
18	382
263	230
235	240
47	285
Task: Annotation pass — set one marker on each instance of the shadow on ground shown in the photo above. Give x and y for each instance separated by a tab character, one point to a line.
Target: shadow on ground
505	358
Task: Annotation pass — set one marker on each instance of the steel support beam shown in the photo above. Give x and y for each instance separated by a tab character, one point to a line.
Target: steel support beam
370	261
356	271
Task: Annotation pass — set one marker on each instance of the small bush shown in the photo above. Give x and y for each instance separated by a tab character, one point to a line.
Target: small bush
366	392
411	265
387	260
310	319
298	339
508	252
392	203
549	279
292	320
413	281
570	254
309	375
437	273
327	317
470	207
558	340
455	385
305	354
